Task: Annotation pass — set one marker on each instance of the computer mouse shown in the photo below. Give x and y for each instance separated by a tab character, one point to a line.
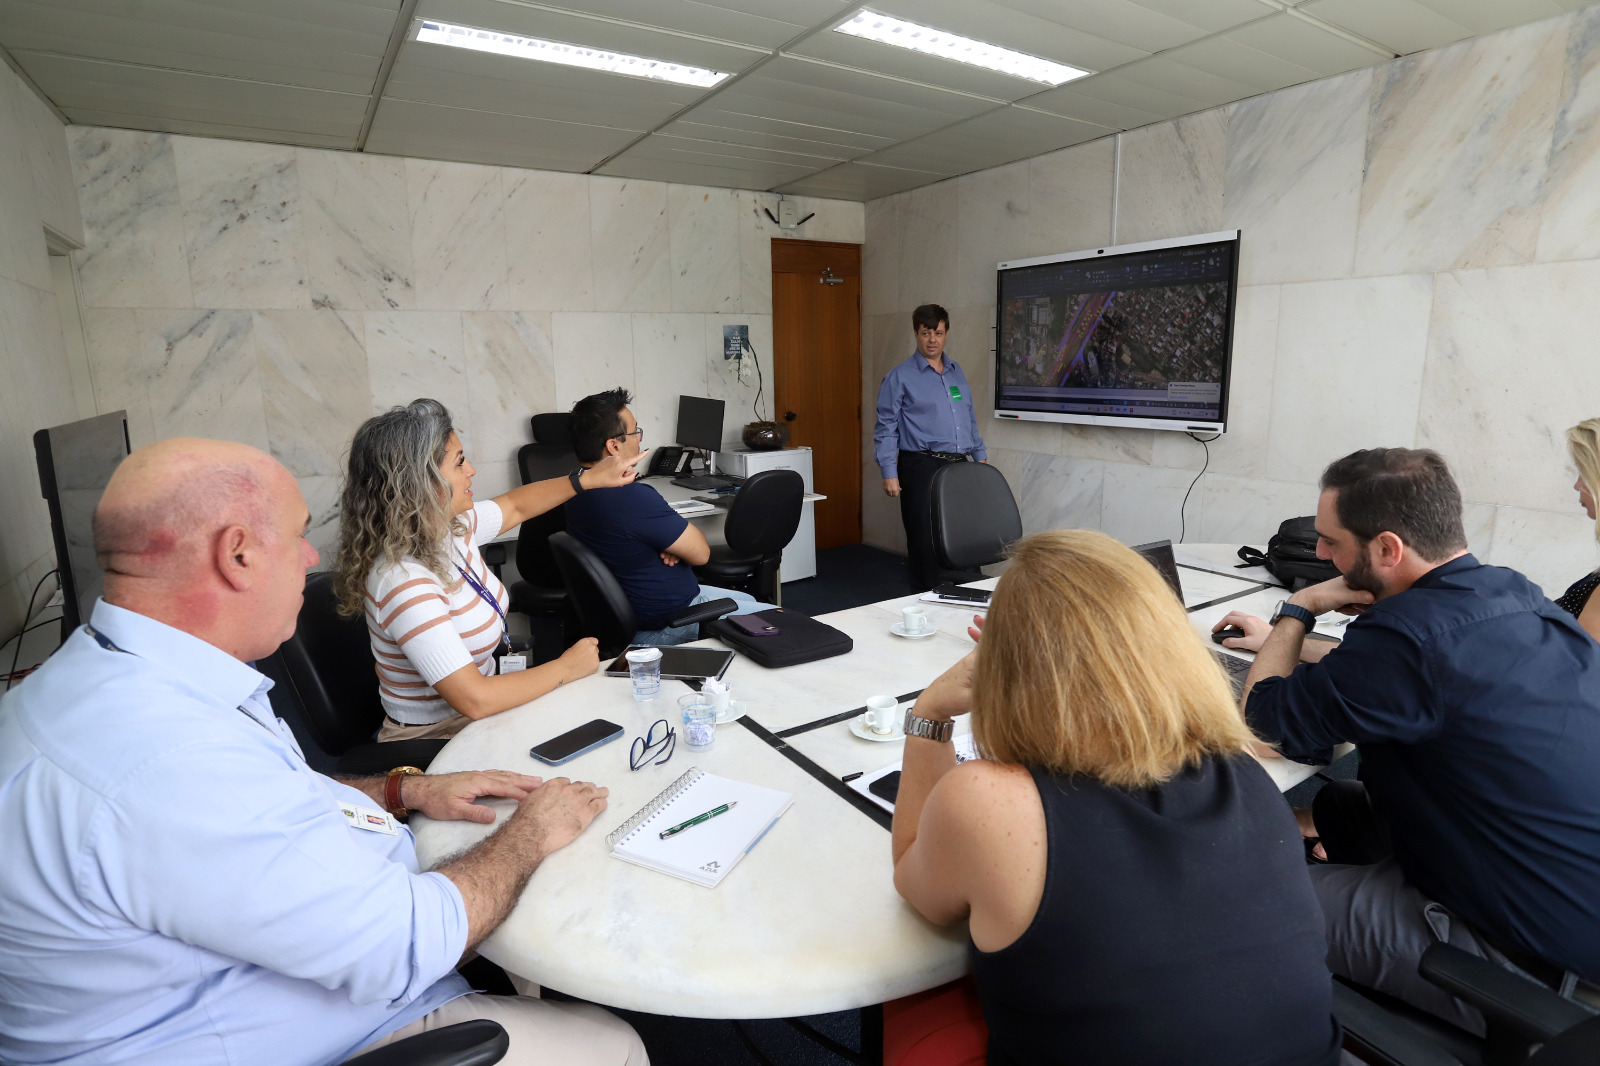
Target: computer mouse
1225	633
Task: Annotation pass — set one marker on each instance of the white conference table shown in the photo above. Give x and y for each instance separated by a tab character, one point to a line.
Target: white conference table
809	922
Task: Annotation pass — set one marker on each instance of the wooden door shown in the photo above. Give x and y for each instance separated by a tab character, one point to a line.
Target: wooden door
816	355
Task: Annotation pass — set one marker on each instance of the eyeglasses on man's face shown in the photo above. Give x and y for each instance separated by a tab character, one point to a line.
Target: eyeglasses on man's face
638	431
654	747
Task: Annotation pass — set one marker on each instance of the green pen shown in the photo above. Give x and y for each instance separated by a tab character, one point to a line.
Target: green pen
697	819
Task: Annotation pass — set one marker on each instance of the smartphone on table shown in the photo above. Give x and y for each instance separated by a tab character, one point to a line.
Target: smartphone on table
575	742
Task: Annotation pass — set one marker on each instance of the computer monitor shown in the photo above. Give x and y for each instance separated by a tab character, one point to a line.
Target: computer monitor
75	463
700	423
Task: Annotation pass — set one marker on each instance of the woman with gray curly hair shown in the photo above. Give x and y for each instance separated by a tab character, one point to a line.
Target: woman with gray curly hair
409	532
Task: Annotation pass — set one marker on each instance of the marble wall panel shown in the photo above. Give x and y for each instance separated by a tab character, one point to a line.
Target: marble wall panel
993	221
55	192
200	375
593	352
241	221
135	253
315	388
1248	510
1058	492
322	500
1554	548
37	394
111	338
1510	366
1142	503
416	354
1569	223
929	249
880	257
742	393
1244	448
1349	370
357	231
1171	181
22	248
1111	443
1478	519
632	245
1293	179
703	226
1070	197
833	220
548	240
880	515
511	376
494	479
669	360
458	236
1457	149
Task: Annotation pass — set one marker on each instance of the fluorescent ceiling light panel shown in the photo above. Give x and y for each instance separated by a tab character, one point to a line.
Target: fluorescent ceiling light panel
886	29
571	55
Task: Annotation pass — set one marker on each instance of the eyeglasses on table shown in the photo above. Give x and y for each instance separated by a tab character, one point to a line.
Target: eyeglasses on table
655	747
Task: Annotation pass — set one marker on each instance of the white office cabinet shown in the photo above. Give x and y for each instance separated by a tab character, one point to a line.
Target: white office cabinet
800	557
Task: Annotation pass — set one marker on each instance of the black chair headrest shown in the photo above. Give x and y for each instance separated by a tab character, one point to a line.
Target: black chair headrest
975	517
329	658
765	513
552	428
537	462
602	607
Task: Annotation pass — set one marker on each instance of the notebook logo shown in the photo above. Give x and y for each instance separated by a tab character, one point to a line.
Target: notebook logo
711	867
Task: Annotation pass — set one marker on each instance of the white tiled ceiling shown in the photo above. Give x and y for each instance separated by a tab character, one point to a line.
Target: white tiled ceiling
807	110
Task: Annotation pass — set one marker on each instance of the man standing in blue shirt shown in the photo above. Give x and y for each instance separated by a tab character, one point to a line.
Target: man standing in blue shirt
925	420
181	887
642	540
1475	703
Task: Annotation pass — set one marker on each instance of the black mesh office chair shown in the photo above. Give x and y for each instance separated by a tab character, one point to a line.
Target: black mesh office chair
760	524
328	667
480	1042
975	517
602	607
540	590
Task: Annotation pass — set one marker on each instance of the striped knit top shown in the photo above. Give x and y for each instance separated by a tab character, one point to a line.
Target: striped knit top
423	630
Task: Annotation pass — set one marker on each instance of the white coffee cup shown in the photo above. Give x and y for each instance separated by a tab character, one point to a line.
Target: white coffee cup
913	619
879	715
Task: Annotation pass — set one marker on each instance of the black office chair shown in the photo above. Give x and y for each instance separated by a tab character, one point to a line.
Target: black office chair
480	1042
975	517
1526	1022
541	590
760	524
602	607
329	669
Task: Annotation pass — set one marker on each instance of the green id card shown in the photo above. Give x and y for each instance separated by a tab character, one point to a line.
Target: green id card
955	393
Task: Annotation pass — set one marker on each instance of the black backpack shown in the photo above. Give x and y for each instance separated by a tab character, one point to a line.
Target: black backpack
1292	555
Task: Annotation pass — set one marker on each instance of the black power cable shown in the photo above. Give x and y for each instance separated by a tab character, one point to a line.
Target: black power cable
1183	527
16	656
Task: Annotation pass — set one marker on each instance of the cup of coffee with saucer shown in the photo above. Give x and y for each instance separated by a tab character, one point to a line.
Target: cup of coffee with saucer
880	721
914	623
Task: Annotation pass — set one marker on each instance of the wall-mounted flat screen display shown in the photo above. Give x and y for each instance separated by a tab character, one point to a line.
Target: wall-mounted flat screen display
1136	335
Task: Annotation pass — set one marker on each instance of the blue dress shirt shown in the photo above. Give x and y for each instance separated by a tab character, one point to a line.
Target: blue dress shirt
180	886
920	409
1476	704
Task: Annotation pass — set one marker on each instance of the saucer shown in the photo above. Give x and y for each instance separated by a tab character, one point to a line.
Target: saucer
899	630
732	712
860	730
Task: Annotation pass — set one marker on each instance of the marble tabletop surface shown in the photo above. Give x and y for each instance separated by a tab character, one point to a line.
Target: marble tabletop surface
809	922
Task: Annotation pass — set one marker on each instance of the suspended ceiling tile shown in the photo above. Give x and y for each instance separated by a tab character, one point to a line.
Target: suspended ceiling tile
1123	94
1487	16
903	63
1111	113
310	44
751	131
990	140
433	132
1141	25
859	181
1273	54
1212	16
589	32
762	23
690	162
1052	31
1308	45
1403	25
1193	88
454	77
166	95
299	138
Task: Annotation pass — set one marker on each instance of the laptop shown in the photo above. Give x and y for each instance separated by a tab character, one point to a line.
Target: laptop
1159	554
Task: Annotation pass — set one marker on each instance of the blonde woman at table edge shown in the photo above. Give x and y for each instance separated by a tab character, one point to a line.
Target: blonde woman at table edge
1583	444
409	562
1134	885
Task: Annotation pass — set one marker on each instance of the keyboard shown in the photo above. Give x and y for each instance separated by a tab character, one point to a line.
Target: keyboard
702	482
1238	669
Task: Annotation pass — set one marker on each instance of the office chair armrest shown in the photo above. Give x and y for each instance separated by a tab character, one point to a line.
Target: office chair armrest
479	1042
1382	1036
701	612
1501	995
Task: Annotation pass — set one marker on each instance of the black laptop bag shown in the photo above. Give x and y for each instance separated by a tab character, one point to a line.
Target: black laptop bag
1292	555
800	639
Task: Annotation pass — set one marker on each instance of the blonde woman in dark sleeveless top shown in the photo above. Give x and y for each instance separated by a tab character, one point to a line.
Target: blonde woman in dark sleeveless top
1134	885
1583	444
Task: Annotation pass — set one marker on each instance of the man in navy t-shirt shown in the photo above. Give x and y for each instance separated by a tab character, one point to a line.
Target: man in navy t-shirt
647	545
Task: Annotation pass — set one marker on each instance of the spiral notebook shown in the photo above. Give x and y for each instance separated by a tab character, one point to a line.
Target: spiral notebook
706	852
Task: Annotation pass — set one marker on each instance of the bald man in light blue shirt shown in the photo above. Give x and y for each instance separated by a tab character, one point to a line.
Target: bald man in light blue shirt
180	886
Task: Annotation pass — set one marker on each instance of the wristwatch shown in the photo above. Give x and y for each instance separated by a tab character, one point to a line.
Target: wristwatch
577	485
928	729
1295	611
391	792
